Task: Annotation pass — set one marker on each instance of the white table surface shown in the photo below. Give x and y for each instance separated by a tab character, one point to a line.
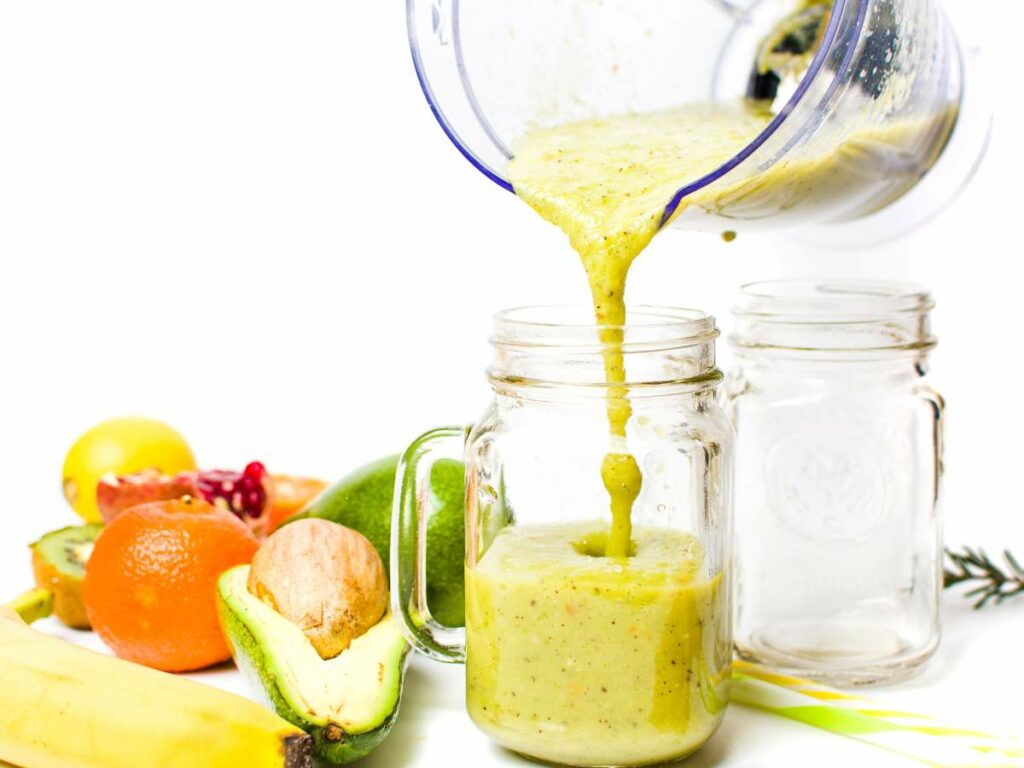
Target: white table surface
976	679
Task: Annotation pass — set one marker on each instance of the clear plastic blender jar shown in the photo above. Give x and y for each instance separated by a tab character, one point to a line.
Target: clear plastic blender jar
864	115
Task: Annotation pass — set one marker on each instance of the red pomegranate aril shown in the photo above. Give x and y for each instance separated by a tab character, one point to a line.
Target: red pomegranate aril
244	493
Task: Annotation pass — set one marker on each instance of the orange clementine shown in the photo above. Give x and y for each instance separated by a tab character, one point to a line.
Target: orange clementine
290	495
150	584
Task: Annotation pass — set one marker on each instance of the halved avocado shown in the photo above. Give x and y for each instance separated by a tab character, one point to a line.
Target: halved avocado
347	704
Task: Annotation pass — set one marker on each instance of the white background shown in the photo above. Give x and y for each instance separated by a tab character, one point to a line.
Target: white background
242	218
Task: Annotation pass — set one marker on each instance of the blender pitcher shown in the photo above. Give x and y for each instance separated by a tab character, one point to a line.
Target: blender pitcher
866	95
574	656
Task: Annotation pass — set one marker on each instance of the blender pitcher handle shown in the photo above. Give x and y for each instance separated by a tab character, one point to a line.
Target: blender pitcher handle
409	546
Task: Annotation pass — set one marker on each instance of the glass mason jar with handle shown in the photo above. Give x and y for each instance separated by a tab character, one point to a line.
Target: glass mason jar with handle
839	461
572	656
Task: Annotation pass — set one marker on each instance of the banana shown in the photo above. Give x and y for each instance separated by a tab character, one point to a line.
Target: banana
33	605
63	706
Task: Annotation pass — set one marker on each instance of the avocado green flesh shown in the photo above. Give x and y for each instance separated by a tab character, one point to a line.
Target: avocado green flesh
347	704
362	501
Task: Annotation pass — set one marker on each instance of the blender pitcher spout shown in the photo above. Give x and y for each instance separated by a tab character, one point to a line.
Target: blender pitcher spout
864	96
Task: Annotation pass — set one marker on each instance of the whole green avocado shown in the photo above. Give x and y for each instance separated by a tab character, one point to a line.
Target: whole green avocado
362	500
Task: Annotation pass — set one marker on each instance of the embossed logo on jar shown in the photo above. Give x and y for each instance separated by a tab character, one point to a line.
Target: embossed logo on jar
826	487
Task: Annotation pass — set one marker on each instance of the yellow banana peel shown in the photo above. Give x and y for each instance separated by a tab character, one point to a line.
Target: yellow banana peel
64	706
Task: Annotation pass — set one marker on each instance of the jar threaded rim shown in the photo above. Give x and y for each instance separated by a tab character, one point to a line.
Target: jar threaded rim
563	345
833	315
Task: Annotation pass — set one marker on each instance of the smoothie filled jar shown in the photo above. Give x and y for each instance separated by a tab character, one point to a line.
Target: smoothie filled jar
577	653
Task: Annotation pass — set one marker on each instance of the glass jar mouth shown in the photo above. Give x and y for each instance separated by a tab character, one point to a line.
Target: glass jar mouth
825	300
834	315
572	327
562	346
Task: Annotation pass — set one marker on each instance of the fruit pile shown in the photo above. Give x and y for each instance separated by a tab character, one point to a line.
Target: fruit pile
179	568
168	531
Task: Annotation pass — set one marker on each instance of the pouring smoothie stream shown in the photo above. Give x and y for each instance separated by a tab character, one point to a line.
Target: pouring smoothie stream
606	183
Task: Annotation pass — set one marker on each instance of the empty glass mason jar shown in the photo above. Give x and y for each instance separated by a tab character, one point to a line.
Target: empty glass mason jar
574	656
839	462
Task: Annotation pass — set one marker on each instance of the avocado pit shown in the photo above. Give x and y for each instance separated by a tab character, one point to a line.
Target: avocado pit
325	578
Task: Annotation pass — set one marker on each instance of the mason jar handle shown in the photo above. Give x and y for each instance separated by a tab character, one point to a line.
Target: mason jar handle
409	545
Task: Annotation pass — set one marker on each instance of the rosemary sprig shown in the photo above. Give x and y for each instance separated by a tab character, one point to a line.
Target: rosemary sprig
994	583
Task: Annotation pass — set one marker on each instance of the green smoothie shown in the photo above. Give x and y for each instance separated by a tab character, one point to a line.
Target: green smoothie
582	659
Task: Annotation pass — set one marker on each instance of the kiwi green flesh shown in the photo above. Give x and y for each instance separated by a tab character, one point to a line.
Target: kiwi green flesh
68	549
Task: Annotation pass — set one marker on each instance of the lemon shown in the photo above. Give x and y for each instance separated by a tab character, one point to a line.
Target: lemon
120	446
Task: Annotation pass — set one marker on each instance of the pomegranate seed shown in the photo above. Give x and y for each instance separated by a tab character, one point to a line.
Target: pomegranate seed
243	493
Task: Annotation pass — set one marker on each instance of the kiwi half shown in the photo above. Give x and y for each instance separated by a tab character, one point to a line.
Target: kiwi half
58	562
